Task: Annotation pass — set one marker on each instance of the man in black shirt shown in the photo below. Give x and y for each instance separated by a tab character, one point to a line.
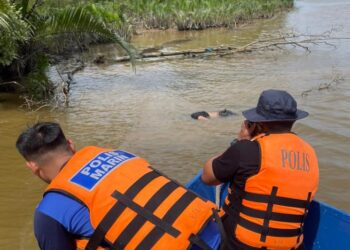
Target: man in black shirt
258	161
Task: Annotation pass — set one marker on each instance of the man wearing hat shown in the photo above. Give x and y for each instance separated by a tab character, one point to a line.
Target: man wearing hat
272	175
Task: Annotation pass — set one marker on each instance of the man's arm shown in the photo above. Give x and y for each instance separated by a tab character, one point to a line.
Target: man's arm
50	234
59	220
226	163
208	176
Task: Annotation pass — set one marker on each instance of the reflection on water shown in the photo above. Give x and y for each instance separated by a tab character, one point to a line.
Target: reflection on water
148	113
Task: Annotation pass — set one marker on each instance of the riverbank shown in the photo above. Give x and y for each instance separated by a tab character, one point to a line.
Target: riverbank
90	22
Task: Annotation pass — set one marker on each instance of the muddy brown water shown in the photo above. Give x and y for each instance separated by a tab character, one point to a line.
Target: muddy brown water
147	113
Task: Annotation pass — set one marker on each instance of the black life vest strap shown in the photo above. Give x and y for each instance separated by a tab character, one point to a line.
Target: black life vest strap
106	223
283	201
146	214
134	226
274	216
305	214
277	232
268	213
221	229
170	217
199	242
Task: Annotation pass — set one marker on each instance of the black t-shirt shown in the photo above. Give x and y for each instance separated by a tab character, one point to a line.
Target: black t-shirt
239	162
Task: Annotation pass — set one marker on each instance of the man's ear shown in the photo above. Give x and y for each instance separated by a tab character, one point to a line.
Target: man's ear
252	129
32	166
71	145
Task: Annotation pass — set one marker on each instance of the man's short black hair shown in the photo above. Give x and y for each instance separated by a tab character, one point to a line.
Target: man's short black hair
196	115
39	139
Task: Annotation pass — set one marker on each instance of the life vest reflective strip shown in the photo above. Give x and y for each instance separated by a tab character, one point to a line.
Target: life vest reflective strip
275	201
145	209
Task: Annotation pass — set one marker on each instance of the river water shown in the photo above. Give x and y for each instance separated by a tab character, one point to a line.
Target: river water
148	112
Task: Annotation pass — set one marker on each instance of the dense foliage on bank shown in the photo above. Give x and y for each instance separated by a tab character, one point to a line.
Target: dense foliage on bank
32	30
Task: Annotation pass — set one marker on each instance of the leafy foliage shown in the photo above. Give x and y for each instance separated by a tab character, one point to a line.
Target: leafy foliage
13	32
77	21
30	33
20	23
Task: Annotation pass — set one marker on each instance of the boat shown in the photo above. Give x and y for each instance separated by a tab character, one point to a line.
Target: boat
326	227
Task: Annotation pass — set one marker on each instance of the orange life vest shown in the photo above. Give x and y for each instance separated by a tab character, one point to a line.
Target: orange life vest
131	205
274	202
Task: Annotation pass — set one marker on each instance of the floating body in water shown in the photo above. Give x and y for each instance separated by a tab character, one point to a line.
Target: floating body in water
204	115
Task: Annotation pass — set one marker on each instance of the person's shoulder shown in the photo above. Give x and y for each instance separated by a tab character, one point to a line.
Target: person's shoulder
52	200
305	142
245	145
70	213
51	213
245	149
59	206
242	149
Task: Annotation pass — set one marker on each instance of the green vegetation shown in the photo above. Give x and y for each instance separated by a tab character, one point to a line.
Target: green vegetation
14	31
200	14
33	30
181	14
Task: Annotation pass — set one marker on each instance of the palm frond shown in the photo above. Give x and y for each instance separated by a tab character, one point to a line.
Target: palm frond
78	20
4	18
4	22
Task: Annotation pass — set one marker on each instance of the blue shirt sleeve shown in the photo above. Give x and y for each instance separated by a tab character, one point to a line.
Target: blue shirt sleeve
58	220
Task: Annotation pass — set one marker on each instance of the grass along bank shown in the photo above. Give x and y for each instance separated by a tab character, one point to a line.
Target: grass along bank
179	14
200	14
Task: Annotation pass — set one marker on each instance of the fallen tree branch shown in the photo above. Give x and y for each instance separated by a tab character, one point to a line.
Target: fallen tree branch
65	84
336	79
296	40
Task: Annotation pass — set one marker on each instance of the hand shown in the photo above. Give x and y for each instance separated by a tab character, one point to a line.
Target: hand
246	131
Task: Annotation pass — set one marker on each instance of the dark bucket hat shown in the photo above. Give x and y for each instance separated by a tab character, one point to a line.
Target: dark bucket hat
275	105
